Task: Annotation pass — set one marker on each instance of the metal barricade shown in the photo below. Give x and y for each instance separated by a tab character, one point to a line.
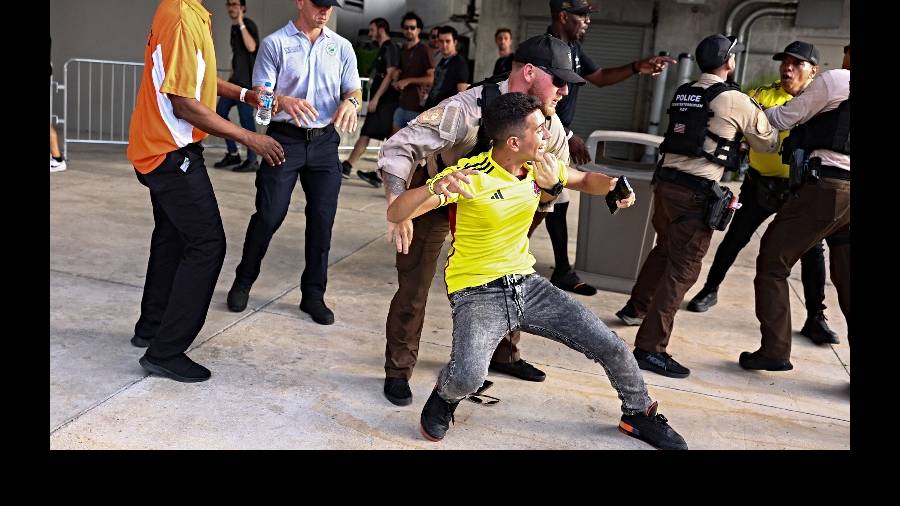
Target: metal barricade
99	97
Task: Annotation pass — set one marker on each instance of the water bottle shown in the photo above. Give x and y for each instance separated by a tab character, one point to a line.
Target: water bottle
264	113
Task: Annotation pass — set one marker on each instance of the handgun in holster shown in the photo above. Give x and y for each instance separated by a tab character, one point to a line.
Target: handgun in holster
798	169
720	210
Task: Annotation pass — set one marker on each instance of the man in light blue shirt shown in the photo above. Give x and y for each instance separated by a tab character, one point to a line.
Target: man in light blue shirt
313	72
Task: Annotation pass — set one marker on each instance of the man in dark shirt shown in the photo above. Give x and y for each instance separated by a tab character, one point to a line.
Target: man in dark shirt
503	38
571	19
416	71
382	99
451	75
244	43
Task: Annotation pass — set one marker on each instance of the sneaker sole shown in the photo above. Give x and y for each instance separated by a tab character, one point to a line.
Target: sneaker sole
628	430
427	435
627	320
819	341
523	378
663	372
398	401
783	368
161	371
698	309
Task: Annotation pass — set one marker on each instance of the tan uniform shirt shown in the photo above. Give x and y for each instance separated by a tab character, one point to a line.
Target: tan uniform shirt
733	112
449	129
824	94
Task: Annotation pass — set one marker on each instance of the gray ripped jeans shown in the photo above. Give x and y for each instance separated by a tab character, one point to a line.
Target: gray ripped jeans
482	315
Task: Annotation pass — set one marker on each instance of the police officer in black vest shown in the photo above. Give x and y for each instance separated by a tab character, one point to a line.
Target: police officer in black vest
818	152
707	121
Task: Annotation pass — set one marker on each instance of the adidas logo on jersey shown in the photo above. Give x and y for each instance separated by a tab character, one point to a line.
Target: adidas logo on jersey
497	195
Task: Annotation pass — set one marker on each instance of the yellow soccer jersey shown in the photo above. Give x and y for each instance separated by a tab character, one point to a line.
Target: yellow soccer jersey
490	230
769	164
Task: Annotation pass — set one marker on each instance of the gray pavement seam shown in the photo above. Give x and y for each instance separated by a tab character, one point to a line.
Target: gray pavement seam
96	405
92	278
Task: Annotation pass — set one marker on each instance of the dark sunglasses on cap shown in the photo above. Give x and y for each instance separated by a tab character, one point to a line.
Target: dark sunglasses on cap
557	81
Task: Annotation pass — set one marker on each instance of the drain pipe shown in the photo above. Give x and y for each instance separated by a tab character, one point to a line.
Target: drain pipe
743	33
659	90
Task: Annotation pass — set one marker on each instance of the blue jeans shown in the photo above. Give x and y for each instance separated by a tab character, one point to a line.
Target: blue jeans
247	121
483	315
403	116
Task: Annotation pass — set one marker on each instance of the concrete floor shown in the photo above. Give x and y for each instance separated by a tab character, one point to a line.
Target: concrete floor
282	381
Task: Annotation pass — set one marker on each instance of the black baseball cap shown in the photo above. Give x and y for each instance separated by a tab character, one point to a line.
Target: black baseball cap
713	51
573	6
549	53
329	3
800	50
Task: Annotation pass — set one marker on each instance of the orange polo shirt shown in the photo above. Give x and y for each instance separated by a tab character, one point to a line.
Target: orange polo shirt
179	60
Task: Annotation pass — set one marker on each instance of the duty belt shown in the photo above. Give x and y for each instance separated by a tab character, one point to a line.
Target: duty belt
691	181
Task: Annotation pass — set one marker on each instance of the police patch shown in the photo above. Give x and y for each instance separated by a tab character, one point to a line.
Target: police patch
431	117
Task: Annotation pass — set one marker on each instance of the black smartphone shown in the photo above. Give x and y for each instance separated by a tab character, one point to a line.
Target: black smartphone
620	192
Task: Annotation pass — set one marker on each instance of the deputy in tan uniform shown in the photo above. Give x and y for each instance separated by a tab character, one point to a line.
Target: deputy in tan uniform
439	137
698	148
819	120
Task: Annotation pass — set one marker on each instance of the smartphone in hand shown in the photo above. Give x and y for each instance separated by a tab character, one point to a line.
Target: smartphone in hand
620	192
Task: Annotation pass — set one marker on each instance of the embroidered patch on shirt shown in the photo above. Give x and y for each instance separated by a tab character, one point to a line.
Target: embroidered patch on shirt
431	117
292	49
331	49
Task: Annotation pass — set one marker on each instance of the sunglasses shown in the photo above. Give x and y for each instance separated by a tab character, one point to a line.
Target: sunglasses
485	399
410	28
557	81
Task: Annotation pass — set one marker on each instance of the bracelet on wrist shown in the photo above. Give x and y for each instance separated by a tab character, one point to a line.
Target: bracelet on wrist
243	93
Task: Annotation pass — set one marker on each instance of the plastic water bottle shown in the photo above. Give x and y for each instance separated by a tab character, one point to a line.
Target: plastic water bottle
264	113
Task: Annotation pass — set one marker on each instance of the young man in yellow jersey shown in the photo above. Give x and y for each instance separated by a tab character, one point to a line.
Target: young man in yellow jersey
491	282
765	190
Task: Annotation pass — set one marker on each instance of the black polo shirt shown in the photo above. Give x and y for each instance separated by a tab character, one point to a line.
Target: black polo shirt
242	60
584	66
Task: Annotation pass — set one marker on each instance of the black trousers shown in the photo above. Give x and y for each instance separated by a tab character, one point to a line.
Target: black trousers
758	202
186	252
315	162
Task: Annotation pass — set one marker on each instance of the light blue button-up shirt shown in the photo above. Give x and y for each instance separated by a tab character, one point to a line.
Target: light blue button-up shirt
318	72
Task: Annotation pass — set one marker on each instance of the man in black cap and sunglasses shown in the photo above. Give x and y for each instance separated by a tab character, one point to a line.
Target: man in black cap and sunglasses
707	121
436	139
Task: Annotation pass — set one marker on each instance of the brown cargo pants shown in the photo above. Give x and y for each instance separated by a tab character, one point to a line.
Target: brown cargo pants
819	211
673	265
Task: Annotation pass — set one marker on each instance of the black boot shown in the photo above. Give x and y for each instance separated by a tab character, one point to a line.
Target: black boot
436	417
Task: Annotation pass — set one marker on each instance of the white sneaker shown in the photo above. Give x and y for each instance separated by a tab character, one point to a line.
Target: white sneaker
57	166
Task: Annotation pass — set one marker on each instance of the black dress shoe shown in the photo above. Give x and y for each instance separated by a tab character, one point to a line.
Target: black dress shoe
520	369
818	331
140	342
370	177
346	169
570	282
237	298
318	311
756	361
397	391
229	160
247	166
660	363
703	301
178	368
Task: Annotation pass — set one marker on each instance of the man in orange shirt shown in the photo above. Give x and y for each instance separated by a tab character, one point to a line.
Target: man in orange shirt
174	111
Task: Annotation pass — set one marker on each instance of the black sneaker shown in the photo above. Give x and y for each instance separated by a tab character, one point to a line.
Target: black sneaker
629	316
436	417
660	363
653	429
818	331
758	362
397	391
346	169
703	301
140	342
229	160
238	297
318	310
179	368
370	177
247	166
520	369
570	282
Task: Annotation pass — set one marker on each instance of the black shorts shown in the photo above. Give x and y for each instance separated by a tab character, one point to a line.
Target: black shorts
378	124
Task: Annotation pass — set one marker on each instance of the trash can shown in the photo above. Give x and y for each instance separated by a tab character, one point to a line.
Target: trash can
612	248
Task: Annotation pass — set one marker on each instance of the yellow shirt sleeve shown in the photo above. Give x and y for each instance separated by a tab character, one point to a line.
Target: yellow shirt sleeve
180	62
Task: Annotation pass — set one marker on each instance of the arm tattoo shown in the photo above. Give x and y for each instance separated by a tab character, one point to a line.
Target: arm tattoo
393	184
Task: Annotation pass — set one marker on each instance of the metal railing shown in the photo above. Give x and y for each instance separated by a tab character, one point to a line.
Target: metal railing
99	97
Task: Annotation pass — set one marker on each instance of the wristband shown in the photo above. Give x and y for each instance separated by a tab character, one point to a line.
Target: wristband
243	92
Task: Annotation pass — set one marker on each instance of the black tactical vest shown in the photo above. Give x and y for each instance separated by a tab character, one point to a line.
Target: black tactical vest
828	130
689	115
490	91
